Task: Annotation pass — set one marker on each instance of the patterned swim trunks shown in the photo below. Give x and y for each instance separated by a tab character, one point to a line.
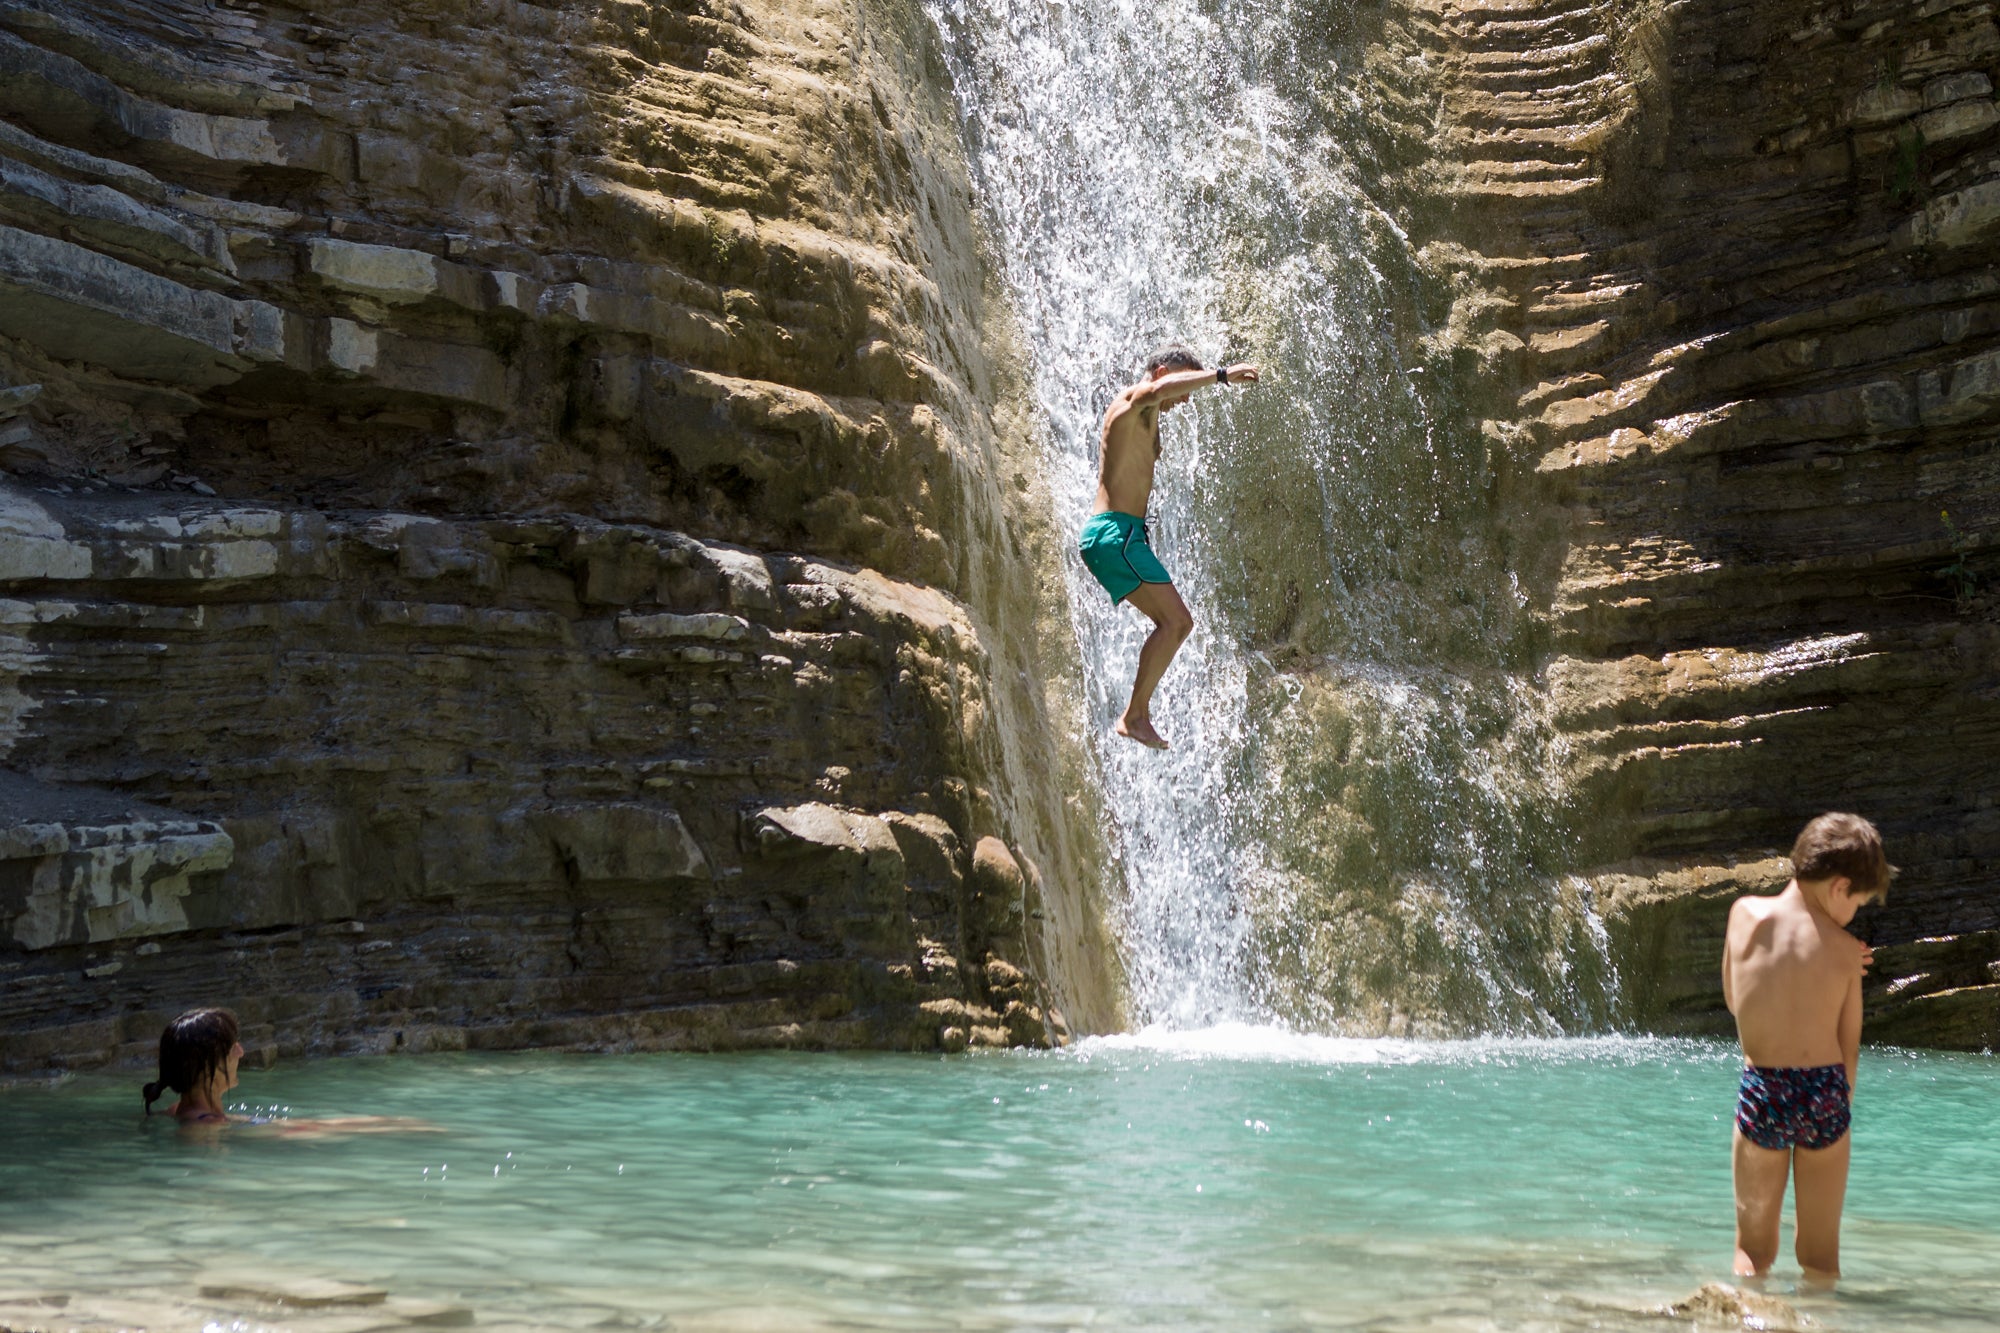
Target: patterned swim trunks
1793	1108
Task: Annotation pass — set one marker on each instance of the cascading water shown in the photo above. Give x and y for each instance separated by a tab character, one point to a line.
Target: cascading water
1350	830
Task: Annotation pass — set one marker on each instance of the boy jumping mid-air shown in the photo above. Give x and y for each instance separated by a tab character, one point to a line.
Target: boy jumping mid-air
1115	544
1792	976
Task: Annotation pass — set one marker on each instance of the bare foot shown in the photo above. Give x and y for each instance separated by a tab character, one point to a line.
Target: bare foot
1141	730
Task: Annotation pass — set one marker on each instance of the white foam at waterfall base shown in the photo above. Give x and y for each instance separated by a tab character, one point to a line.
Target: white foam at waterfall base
1262	1041
1251	1041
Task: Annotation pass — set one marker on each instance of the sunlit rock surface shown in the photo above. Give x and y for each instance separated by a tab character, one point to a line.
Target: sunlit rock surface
1723	292
525	512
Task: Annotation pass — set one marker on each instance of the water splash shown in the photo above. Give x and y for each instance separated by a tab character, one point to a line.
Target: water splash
1242	1042
1359	789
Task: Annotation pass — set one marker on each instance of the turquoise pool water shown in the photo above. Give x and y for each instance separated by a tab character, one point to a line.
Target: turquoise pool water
1221	1180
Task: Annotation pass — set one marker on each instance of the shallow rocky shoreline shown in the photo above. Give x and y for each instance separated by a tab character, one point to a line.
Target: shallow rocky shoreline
312	1304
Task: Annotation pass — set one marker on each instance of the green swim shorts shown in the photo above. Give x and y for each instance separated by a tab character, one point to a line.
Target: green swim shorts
1117	553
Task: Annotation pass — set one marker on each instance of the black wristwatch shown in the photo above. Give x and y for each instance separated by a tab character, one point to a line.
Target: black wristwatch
1222	374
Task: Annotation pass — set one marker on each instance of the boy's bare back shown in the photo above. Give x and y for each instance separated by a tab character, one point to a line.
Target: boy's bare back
1793	979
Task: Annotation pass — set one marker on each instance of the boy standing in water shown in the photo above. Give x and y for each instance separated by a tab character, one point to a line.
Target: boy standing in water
1792	976
1115	543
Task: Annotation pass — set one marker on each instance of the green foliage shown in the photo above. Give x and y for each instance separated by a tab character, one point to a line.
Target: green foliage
1958	575
721	242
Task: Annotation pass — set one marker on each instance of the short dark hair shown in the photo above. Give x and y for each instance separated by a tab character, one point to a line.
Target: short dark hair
1838	844
1174	356
192	1049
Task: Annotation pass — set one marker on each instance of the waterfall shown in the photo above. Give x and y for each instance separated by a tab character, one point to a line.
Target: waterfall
1359	794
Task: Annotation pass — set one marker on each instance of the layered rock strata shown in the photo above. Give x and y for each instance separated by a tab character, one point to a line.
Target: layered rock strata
1721	284
541	490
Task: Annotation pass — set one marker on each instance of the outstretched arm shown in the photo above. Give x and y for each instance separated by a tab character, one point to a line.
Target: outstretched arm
352	1124
1187	381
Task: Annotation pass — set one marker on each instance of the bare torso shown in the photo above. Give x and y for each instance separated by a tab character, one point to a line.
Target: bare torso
1129	446
1788	973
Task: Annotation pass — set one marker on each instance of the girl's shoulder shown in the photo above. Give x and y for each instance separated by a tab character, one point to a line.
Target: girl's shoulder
198	1117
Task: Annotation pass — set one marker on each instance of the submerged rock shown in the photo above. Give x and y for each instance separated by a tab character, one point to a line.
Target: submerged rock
1717	1303
301	1292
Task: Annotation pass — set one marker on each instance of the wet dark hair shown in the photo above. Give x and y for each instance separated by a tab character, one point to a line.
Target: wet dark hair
1838	844
192	1049
1174	356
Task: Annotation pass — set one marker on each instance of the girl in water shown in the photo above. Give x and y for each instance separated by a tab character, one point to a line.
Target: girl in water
199	1053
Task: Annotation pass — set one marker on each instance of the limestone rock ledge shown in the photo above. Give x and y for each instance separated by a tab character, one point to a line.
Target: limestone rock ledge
570	839
1722	283
79	869
547	484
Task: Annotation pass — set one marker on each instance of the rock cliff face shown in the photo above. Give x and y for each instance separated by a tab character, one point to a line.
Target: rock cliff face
522	529
1720	282
524	525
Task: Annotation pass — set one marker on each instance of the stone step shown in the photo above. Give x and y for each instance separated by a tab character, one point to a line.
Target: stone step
1510	109
1570	347
1546	80
1527	193
1906	972
1627	614
84	866
1966	1018
88	306
1562	307
1487	173
227	72
1559	51
1522	34
1567	140
1720	687
1593	51
1547	166
1513	10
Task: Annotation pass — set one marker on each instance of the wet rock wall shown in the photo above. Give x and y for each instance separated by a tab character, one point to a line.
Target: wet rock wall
1717	280
536	498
